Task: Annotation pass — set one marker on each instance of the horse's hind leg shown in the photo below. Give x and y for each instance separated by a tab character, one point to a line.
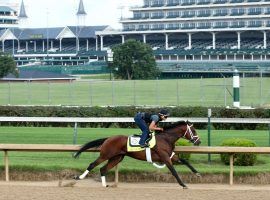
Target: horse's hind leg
90	167
185	162
176	159
109	165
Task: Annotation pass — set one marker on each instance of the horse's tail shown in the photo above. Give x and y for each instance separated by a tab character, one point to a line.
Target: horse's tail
89	145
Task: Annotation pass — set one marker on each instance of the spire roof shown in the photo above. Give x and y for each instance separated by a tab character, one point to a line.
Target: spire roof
81	10
22	11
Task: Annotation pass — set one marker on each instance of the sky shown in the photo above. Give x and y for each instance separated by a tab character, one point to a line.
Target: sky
55	13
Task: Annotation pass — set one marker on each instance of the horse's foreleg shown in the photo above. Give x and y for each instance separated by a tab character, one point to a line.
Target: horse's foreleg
89	168
174	173
110	164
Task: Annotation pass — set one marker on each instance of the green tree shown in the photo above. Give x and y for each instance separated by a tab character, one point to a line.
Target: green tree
134	60
7	65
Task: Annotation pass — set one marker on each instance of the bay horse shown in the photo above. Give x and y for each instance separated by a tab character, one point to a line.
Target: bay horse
114	149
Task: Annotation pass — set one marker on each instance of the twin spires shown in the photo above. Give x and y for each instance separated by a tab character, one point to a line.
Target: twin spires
81	14
81	10
22	13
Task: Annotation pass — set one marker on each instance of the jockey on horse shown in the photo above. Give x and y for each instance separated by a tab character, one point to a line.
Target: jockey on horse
148	122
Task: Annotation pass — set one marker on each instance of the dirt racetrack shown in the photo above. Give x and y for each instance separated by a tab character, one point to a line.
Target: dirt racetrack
89	189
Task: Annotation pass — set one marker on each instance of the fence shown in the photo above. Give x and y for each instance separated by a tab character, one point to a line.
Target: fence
254	91
70	148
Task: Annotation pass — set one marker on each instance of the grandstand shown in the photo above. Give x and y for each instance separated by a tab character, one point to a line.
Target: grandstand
199	37
8	17
202	35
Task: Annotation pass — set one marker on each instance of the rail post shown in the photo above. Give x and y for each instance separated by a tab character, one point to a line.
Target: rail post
236	86
75	133
231	169
6	165
209	132
269	135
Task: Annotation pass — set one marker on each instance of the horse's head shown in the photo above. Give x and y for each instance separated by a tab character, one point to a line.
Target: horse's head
191	134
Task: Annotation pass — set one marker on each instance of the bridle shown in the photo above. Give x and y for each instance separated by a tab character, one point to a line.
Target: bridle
193	138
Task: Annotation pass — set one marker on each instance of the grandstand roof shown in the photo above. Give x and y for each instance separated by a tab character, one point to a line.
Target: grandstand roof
2	31
81	10
53	33
6	9
22	11
86	31
39	33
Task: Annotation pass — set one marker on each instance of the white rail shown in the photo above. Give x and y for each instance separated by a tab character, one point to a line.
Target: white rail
130	119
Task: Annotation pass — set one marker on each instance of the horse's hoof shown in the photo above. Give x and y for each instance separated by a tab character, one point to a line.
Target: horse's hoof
113	185
69	184
185	187
198	175
76	178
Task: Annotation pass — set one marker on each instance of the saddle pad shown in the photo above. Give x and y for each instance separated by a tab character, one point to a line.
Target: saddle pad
133	143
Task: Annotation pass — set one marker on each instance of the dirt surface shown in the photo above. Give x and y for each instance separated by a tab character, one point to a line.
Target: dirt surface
89	189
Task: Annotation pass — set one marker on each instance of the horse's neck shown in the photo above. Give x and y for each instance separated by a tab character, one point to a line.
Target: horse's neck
170	136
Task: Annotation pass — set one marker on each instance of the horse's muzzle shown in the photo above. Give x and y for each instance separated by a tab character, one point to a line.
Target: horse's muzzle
196	141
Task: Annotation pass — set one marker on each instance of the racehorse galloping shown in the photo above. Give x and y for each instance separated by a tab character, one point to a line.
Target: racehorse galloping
114	149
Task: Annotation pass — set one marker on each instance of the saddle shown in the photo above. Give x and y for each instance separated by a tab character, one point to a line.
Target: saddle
133	142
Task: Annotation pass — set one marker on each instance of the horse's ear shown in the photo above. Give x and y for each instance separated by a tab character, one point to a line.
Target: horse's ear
189	123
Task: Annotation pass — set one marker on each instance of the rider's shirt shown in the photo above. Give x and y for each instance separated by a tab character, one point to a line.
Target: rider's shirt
149	118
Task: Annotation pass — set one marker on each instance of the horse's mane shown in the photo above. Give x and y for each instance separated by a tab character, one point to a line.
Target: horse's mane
173	125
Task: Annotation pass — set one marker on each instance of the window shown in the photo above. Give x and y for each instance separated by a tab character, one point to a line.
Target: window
202	2
220	12
188	2
156	3
146	15
237	11
157	15
157	26
255	23
267	10
188	26
203	25
220	1
237	1
190	13
146	3
221	25
137	15
173	2
254	11
204	13
238	24
172	26
173	14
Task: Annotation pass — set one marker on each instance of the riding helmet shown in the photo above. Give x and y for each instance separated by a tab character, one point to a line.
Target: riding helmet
164	112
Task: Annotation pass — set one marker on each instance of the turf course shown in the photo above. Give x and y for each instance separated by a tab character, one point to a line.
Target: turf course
58	161
183	92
